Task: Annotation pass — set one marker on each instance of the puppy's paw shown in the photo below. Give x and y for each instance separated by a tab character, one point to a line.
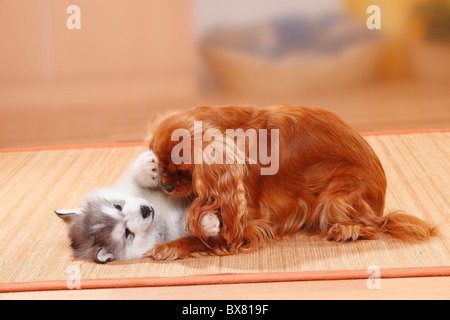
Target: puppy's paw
145	170
210	225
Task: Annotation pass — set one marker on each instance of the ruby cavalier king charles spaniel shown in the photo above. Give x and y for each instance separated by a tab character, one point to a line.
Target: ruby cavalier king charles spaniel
268	173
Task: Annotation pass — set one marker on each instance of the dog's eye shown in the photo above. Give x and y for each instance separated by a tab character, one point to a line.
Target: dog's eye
118	207
184	173
128	233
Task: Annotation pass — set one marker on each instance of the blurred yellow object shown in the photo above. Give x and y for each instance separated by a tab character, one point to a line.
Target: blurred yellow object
395	17
401	22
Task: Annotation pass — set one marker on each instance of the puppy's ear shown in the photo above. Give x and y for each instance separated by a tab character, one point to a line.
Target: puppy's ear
68	214
103	256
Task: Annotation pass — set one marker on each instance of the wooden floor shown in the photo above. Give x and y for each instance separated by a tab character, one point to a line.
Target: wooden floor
397	106
379	107
436	288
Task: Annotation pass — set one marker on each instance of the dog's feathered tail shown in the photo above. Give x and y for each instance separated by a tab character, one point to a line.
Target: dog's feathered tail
407	227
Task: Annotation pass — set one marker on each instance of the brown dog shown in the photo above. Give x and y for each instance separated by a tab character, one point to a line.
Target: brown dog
270	172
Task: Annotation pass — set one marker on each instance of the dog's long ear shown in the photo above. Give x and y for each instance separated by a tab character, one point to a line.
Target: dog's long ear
218	183
220	188
68	214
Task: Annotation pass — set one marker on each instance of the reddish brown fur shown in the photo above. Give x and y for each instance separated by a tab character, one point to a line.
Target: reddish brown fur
329	182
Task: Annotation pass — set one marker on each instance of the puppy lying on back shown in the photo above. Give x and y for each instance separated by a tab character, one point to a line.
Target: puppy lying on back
127	219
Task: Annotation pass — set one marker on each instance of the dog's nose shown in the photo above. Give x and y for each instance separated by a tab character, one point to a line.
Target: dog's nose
168	187
147	211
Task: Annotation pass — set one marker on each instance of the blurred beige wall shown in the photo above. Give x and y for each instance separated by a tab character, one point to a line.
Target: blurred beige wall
134	58
142	51
124	50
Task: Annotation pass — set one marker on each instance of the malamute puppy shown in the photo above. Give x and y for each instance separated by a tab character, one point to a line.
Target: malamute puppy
127	219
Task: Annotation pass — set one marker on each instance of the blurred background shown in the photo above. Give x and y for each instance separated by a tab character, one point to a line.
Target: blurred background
133	59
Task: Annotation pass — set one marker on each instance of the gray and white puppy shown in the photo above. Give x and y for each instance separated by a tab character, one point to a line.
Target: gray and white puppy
127	219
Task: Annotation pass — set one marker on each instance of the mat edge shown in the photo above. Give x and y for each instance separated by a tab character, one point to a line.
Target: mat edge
227	278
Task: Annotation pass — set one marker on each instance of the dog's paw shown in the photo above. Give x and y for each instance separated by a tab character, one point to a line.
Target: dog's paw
145	170
210	225
164	251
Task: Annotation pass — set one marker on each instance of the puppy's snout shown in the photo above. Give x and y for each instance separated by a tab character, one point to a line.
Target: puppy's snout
147	211
168	187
